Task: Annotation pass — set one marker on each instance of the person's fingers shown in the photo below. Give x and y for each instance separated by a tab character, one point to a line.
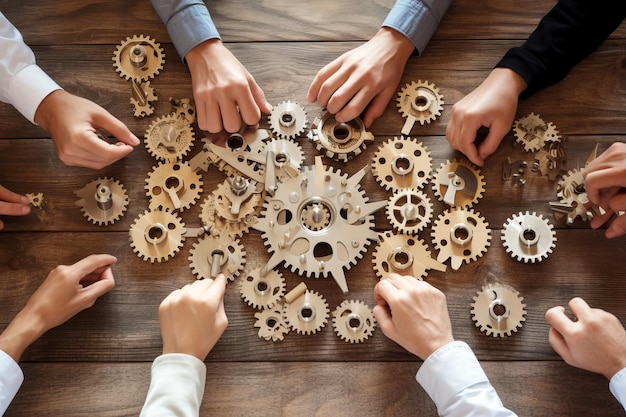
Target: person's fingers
105	284
14	209
579	308
231	119
493	139
115	127
465	143
259	98
377	106
90	264
558	343
12	197
248	109
330	87
213	116
383	317
320	78
557	318
616	228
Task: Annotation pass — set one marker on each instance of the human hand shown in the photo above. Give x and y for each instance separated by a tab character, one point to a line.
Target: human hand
224	92
66	291
12	204
492	105
193	317
605	184
595	340
365	77
72	122
412	313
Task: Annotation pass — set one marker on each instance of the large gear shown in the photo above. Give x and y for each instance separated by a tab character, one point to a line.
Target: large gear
353	321
498	310
533	133
460	235
215	254
138	58
403	254
409	210
288	120
173	186
528	237
262	291
271	323
168	139
339	140
402	163
103	201
571	190
307	314
157	235
419	102
458	183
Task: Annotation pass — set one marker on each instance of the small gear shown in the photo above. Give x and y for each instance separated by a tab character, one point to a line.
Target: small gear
262	291
173	186
167	139
143	95
157	235
284	158
307	314
498	310
550	161
184	110
103	201
458	183
215	254
36	200
339	141
528	237
271	323
403	254
571	190
138	58
419	102
288	120
353	321
409	211
402	163
237	199
218	225
460	235
533	133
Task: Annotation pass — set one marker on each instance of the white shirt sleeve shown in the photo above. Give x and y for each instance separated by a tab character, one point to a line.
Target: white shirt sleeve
11	378
457	384
618	387
176	386
22	83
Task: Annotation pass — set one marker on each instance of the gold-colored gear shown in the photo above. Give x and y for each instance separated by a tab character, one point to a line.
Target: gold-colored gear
138	58
237	200
402	163
167	139
404	255
173	186
498	310
533	133
184	110
571	190
217	225
271	323
339	141
262	291
409	210
287	120
353	321
103	201
143	95
458	183
460	235
528	237
36	200
307	314
157	235
215	254
419	102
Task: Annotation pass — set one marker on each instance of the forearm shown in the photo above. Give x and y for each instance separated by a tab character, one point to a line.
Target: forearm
23	330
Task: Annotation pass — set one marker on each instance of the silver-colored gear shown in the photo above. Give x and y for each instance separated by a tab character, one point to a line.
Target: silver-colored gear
409	210
102	201
215	254
339	141
403	254
173	186
498	310
458	183
528	237
138	58
262	291
402	163
419	102
571	190
533	133
307	314
143	95
271	323
460	235
353	321
167	139
157	235
288	120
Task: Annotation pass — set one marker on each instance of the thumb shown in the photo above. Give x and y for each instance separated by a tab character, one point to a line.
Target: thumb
115	127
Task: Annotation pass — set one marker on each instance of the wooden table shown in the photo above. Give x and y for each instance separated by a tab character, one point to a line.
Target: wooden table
98	363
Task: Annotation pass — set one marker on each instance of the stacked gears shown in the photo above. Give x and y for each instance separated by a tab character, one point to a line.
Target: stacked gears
169	138
419	102
340	141
458	184
498	310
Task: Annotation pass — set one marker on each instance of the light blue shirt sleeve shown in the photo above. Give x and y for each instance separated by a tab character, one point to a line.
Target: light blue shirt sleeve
457	384
11	378
617	385
417	19
188	23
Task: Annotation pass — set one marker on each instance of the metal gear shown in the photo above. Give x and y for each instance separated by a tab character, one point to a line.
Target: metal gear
218	225
409	210
103	201
498	310
458	183
184	109
339	141
242	155
237	200
284	159
271	323
402	163
173	186
353	321
307	314
262	291
288	120
550	161
403	254
138	58
571	190
460	235
143	95
36	200
167	139
419	102
528	237
215	254
157	235
533	133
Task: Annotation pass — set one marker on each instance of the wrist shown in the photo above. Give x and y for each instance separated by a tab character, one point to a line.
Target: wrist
202	50
397	41
23	330
509	79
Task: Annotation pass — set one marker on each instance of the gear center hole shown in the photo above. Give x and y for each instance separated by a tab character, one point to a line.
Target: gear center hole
306	313
341	132
402	165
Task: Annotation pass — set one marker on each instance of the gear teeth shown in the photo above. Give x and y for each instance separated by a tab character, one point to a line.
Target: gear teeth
353	321
262	292
532	132
173	186
308	314
202	254
528	237
154	58
419	102
458	183
498	310
288	120
339	141
271	323
167	139
571	190
157	235
402	163
103	201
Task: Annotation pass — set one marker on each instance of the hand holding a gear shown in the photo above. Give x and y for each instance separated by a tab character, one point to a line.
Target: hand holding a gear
12	204
412	313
